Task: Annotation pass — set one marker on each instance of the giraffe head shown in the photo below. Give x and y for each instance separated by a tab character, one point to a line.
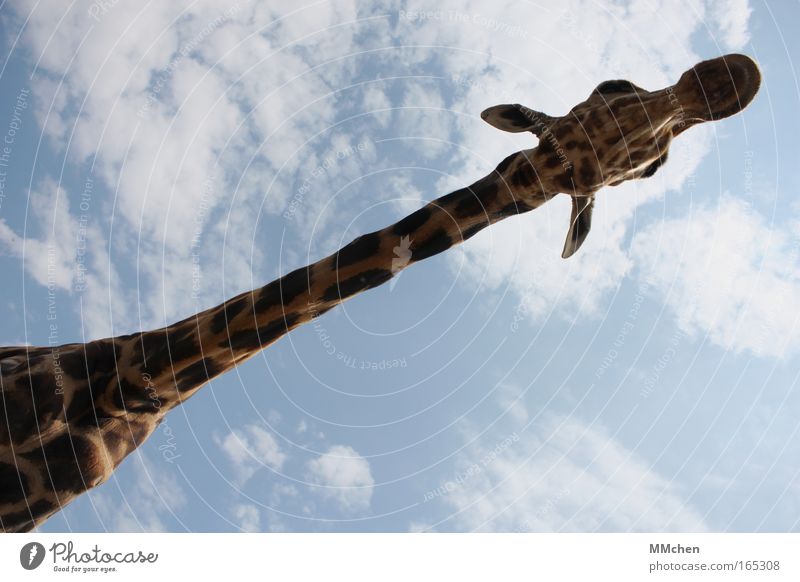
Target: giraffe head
623	132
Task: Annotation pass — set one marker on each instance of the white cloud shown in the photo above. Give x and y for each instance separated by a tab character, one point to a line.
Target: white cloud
423	118
731	18
344	477
510	398
251	449
378	104
561	474
153	495
48	259
281	491
164	99
65	250
728	274
248	517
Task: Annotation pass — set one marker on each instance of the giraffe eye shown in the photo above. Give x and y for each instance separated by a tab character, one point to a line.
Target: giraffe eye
618	86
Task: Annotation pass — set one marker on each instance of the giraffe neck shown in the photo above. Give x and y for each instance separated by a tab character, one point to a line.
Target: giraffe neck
177	360
57	443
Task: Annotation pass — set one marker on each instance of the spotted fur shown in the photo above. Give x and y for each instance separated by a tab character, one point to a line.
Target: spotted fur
70	415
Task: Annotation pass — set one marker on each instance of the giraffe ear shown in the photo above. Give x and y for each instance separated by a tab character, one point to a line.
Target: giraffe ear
579	225
516	118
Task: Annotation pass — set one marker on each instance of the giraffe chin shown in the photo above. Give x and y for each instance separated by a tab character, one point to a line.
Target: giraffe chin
716	89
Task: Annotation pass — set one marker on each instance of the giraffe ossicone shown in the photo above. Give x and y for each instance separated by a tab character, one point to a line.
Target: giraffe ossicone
69	415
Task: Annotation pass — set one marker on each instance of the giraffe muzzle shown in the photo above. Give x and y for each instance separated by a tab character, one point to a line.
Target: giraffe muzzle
717	88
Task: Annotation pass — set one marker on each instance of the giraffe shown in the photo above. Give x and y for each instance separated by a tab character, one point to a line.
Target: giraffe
70	415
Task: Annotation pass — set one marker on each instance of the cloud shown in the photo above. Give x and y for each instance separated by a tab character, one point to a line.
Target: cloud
728	274
422	116
50	258
343	476
731	17
169	106
248	517
510	398
378	104
63	249
560	474
250	449
146	502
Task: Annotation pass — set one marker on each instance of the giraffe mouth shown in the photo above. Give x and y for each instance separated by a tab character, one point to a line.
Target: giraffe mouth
717	88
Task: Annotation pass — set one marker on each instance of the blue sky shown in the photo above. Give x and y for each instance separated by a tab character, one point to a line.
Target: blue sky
164	158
